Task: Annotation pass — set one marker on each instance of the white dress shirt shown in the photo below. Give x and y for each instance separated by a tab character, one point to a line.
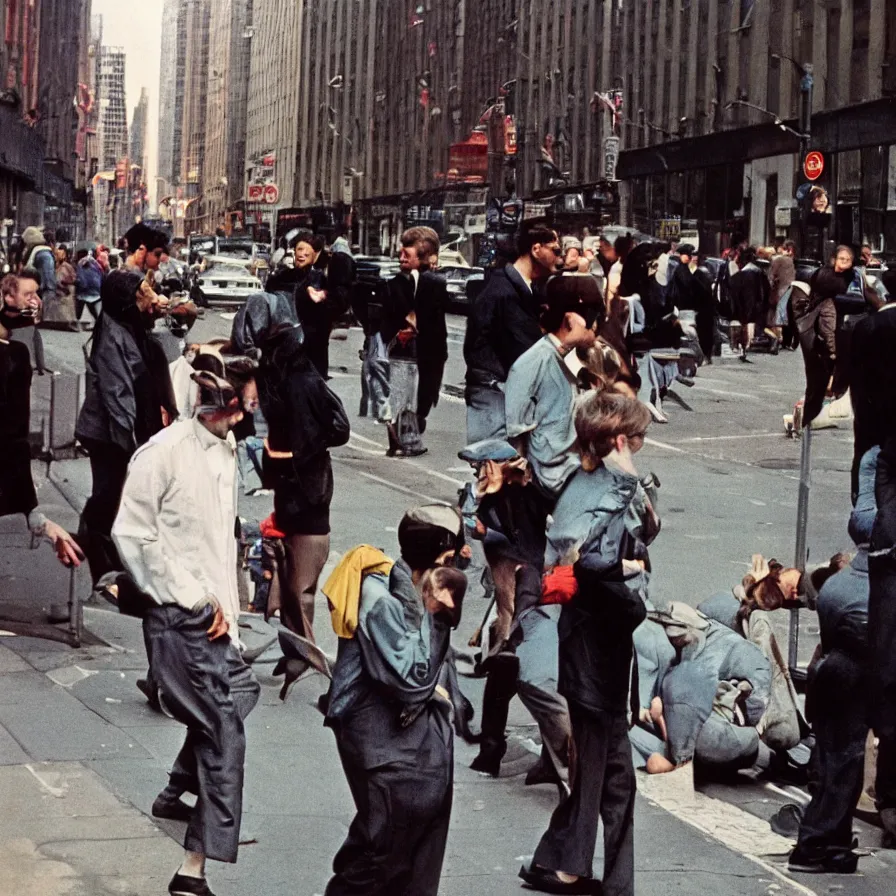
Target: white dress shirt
175	525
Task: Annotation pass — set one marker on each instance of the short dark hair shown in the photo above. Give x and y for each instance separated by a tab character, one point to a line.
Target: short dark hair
747	254
143	235
577	292
29	274
303	236
318	243
789	244
532	236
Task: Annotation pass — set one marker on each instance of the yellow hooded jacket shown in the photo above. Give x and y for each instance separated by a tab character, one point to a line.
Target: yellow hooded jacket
343	588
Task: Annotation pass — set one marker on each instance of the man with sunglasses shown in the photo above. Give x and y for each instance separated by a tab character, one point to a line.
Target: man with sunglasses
503	323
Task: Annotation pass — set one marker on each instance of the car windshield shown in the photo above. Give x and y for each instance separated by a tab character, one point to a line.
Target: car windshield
231	271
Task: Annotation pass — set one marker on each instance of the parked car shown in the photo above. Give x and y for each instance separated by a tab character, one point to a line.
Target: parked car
457	278
227	281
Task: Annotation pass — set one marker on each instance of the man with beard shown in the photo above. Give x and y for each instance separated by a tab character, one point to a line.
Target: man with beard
389	711
175	534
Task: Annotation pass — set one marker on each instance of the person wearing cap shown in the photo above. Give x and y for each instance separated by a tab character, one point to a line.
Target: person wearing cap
837	701
872	376
174	532
389	711
38	259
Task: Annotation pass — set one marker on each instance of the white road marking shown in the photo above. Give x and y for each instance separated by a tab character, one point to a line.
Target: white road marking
439	475
400	488
753	435
665	445
361	438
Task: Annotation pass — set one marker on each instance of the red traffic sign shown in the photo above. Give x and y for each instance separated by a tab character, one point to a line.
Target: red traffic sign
255	193
271	194
813	165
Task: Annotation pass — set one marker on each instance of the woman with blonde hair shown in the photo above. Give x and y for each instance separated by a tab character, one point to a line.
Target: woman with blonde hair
602	525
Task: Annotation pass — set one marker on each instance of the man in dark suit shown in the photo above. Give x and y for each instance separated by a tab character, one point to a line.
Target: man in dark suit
503	323
414	328
872	377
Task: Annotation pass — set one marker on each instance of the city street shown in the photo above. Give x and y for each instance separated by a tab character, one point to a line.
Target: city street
82	755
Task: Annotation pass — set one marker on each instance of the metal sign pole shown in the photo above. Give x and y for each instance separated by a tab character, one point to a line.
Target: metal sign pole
802	525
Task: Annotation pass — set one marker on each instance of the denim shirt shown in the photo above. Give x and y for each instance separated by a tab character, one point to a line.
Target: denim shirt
539	403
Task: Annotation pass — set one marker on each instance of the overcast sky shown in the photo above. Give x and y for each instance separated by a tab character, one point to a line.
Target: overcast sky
138	30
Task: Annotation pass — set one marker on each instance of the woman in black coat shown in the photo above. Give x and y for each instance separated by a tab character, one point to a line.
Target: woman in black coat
749	291
305	419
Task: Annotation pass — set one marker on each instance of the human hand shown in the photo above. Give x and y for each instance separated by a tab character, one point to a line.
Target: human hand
316	295
219	626
67	550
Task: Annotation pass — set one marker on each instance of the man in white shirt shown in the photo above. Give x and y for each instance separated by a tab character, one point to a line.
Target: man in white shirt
175	536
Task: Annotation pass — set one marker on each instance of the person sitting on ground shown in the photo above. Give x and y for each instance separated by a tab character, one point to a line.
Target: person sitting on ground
19	305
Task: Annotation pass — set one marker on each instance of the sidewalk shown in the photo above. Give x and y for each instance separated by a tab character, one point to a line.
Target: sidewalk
82	757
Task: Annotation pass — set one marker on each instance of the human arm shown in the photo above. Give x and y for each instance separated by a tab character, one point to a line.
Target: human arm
114	377
827	327
68	552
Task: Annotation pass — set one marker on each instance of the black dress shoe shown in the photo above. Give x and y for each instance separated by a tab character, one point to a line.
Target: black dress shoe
181	885
547	882
824	861
151	694
171	808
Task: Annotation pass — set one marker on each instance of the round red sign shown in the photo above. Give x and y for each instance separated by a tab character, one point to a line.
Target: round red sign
814	165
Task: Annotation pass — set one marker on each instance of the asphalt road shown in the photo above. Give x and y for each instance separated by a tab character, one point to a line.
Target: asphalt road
729	480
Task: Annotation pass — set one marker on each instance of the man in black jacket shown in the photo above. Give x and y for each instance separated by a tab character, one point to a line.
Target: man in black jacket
414	329
872	377
503	323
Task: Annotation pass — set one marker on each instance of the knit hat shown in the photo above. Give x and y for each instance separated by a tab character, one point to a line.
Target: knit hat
33	236
426	532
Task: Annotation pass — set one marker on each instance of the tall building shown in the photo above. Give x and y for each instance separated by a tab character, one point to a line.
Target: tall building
170	92
40	57
192	161
139	123
274	99
228	87
113	112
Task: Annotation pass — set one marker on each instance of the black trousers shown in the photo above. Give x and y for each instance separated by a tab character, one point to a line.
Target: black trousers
109	468
207	687
396	841
603	787
885	780
840	724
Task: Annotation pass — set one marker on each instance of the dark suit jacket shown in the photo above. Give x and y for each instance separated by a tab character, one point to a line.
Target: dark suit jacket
429	304
872	378
503	323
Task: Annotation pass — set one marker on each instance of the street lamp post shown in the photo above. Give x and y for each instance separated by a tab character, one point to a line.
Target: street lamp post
807	82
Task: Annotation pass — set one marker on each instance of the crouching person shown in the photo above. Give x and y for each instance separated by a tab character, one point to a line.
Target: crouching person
837	701
390	713
175	535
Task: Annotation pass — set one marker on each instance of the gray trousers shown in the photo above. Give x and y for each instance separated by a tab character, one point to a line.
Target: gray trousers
603	787
396	842
206	686
485	413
